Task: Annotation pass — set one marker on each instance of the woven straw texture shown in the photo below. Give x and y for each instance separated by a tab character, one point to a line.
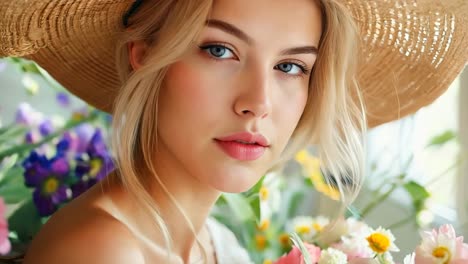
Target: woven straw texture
412	50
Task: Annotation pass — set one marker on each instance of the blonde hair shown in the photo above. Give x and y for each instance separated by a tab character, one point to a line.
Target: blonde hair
170	27
333	118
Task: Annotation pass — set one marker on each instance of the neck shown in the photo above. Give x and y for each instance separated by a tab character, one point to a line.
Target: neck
193	197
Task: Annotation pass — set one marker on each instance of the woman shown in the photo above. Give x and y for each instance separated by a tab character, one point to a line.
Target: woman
211	95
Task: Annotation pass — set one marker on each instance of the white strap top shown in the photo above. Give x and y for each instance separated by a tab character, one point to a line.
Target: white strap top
226	246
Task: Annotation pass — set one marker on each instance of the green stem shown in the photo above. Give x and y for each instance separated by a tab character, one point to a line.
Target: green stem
378	200
401	222
381	186
439	176
52	83
16	149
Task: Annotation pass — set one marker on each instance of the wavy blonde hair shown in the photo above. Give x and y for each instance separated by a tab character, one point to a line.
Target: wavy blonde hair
333	118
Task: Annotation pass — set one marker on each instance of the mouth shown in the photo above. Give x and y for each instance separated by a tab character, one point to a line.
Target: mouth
247	138
241	150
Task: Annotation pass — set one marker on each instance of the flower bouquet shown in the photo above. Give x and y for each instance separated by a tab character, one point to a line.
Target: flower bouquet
46	161
352	241
267	221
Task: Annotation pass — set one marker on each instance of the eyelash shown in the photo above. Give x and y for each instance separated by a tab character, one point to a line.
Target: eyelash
304	69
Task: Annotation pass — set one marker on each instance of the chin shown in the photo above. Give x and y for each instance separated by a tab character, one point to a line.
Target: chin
235	189
236	182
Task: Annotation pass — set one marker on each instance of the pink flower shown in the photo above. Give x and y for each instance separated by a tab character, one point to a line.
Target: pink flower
442	246
5	245
363	261
295	255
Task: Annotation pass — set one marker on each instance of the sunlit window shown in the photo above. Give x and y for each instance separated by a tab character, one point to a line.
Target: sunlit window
402	147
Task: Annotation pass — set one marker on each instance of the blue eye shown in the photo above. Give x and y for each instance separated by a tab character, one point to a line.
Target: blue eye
218	51
292	68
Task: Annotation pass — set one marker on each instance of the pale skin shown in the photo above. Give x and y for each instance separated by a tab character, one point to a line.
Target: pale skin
256	81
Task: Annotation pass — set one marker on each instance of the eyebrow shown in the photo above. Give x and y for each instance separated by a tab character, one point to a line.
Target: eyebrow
235	31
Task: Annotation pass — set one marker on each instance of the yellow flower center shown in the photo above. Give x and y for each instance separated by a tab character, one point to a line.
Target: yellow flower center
50	185
264	193
95	165
301	156
284	240
260	242
379	243
302	229
317	227
76	116
442	253
264	225
267	261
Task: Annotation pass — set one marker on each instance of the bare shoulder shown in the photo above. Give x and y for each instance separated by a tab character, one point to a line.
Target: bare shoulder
88	235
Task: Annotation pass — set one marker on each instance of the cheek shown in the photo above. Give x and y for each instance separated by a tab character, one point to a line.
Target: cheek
189	98
184	87
290	111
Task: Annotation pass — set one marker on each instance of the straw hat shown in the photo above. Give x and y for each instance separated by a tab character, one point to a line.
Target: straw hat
412	49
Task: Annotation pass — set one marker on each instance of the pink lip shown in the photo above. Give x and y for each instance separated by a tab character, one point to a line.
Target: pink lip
255	148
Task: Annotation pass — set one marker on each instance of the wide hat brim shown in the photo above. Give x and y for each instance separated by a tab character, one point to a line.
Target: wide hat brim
412	50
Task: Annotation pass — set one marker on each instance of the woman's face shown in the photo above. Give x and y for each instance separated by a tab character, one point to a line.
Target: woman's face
245	80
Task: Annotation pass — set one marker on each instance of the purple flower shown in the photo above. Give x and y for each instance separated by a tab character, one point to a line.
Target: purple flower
56	181
60	166
64	144
35	167
63	99
81	186
99	162
84	133
97	146
26	115
82	167
51	194
47	177
23	114
31	137
46	127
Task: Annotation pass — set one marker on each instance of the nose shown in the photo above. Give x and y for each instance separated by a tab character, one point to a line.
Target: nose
254	98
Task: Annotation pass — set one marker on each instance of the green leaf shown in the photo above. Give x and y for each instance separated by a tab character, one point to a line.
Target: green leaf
30	67
239	206
5	129
308	182
25	221
289	205
293	202
220	202
16	194
28	147
442	138
352	211
255	189
13	176
7	165
298	242
418	193
252	195
14	59
255	205
12	187
10	133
